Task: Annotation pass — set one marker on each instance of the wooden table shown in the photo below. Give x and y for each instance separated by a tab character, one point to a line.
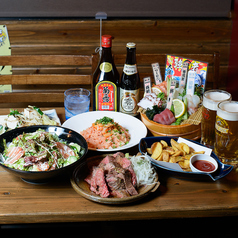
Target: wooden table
58	202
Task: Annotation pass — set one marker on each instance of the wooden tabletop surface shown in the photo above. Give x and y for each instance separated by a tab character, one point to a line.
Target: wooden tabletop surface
57	201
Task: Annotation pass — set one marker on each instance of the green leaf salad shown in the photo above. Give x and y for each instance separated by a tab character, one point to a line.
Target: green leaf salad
40	151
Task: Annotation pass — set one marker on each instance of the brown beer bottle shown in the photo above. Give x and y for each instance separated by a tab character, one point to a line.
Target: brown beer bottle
130	83
106	80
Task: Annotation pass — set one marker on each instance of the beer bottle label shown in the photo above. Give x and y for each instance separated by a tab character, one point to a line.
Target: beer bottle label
106	96
129	100
130	69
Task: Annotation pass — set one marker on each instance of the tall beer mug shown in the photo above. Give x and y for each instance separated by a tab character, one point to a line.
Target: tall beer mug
226	145
211	99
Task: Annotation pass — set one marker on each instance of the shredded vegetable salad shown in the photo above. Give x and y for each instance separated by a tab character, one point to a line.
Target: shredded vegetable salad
40	151
145	173
30	116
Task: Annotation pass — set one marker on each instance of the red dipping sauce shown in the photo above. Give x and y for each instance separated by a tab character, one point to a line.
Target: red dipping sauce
204	165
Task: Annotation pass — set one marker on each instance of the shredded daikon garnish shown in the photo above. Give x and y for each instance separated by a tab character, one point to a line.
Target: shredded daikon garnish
144	171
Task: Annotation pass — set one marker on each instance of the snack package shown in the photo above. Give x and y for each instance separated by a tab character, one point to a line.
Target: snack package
174	66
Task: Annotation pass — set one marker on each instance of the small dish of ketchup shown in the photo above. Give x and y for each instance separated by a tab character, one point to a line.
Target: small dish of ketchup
203	163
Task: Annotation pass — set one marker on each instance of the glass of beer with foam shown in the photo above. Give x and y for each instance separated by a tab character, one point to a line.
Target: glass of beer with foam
226	145
211	99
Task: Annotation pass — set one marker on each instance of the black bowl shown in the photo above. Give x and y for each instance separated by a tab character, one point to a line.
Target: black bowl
43	176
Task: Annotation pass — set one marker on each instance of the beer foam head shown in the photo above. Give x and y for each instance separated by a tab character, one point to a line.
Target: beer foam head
212	98
228	110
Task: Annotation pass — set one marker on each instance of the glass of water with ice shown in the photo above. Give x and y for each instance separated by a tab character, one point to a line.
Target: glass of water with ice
76	101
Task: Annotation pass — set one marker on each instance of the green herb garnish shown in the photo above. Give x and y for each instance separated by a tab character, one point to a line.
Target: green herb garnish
104	120
14	112
161	96
38	110
198	90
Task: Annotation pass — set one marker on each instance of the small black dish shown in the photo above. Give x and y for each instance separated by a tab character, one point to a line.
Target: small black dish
44	176
223	169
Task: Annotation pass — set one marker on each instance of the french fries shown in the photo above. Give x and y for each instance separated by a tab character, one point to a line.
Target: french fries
176	153
156	150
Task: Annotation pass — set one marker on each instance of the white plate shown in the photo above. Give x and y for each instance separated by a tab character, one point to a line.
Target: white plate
52	114
136	127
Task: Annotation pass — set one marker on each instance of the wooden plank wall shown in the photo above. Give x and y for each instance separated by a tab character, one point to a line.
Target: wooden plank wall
170	36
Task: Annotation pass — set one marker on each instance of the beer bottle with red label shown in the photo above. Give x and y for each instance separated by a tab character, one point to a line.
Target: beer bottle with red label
130	83
106	80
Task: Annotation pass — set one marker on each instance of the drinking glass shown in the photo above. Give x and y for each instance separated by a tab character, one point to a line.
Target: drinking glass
211	99
226	144
76	101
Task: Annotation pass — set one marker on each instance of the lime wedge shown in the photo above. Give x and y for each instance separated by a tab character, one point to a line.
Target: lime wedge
179	108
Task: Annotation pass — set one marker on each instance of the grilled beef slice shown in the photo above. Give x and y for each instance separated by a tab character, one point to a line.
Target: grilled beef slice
30	160
115	179
117	186
119	178
120	193
113	176
126	164
98	183
129	186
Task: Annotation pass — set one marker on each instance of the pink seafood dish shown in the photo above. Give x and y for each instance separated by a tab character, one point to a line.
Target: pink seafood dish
106	134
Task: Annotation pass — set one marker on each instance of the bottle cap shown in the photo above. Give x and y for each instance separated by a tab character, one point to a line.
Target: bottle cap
131	45
106	41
